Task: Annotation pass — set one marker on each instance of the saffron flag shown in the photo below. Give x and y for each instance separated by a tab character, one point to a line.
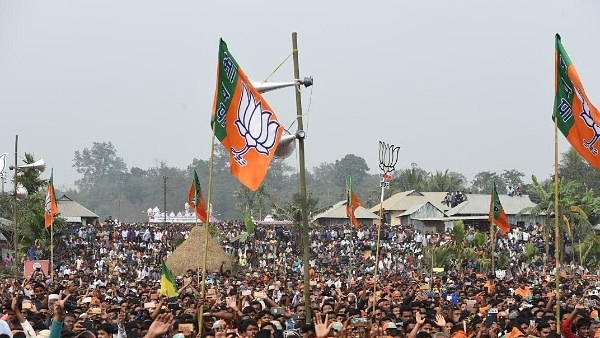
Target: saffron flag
575	115
352	203
243	122
196	201
249	224
497	214
50	206
167	282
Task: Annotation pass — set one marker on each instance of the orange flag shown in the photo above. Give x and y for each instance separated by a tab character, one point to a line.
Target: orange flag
244	122
575	115
352	203
196	201
497	214
50	206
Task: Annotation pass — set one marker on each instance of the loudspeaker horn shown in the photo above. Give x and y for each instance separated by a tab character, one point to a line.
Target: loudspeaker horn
264	87
39	165
286	146
21	193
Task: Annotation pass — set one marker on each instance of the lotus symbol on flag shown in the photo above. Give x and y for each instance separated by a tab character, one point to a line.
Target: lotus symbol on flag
48	204
586	115
255	125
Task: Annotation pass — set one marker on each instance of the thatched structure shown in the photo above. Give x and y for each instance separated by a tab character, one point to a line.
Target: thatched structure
190	254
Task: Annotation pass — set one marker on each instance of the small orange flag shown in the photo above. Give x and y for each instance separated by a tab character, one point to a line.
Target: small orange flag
352	203
196	201
51	208
497	214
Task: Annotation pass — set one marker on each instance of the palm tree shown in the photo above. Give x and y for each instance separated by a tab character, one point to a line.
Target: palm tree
444	181
460	239
589	251
573	211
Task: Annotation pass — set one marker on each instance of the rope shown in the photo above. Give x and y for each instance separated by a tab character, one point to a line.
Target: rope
281	64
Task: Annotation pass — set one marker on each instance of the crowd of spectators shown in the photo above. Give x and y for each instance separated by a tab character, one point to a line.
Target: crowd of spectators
454	198
107	282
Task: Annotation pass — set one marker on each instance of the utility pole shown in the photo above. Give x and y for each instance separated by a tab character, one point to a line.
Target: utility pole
303	196
16	205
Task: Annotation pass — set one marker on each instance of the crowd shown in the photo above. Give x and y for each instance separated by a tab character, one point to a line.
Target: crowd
108	279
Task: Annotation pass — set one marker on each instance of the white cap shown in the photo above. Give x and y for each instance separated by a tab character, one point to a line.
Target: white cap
53	296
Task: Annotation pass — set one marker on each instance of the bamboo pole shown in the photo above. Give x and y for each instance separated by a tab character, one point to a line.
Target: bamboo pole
375	276
208	211
556	229
302	177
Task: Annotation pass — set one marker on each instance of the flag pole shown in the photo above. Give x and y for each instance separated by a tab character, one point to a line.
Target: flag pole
208	211
349	201
52	251
377	245
556	228
302	178
492	240
388	157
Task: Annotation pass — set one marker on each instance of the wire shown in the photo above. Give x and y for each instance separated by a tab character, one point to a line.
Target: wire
307	114
279	66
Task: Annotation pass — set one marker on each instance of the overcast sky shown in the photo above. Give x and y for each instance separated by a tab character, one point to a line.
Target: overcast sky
460	85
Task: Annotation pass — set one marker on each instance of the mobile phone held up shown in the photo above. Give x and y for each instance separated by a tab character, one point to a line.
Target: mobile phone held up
357	322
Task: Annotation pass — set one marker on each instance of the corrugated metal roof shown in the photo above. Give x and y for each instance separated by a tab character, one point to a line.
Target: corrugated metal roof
416	207
69	208
338	210
479	204
405	200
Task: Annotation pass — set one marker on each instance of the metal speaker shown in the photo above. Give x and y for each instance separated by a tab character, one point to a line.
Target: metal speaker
21	193
264	87
39	165
286	145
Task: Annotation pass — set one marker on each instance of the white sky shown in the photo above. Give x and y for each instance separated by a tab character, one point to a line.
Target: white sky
460	85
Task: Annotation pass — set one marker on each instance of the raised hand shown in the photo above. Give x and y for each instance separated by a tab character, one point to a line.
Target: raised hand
440	320
321	328
161	325
419	319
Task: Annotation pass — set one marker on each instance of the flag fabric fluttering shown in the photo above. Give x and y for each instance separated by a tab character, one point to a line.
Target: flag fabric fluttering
497	214
249	223
50	206
167	282
352	203
575	115
243	122
196	200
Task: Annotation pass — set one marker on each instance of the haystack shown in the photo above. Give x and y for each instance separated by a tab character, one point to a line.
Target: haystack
190	254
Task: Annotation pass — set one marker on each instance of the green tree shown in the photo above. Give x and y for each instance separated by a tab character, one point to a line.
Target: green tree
574	168
256	202
482	182
30	178
573	211
513	178
97	163
413	178
445	181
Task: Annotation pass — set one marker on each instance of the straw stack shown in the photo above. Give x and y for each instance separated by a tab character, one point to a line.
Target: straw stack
190	254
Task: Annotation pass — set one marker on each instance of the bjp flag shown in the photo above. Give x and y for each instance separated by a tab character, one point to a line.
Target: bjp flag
196	200
243	122
50	206
497	214
575	115
352	203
